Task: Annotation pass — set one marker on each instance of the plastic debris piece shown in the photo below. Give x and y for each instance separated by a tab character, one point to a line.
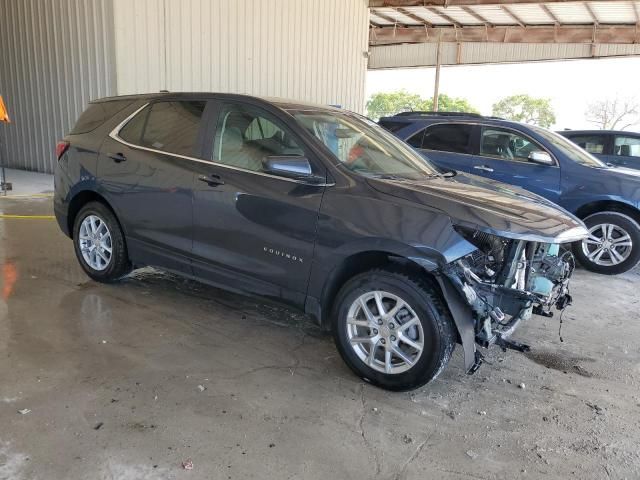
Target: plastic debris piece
24	411
187	464
202	388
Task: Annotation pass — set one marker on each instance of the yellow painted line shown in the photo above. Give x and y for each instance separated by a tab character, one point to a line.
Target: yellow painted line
35	195
34	217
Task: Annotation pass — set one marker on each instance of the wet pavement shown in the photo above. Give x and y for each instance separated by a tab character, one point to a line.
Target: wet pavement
128	381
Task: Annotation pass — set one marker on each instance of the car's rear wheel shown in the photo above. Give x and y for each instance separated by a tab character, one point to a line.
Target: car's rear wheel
99	243
613	245
393	330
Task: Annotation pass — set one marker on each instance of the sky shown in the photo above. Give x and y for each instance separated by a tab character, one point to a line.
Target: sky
570	85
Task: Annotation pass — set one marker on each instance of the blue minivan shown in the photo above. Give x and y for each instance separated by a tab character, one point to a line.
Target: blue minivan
605	197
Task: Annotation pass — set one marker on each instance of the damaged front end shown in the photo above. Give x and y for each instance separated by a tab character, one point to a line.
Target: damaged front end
505	281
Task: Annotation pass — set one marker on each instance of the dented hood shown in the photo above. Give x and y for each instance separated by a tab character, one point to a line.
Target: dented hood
489	206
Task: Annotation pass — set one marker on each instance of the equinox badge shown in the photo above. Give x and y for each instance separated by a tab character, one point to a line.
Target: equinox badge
279	253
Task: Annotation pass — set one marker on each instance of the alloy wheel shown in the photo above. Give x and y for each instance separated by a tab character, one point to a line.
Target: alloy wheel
385	332
95	242
607	245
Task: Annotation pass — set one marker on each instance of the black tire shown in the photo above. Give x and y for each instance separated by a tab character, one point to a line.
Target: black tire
425	300
119	264
623	222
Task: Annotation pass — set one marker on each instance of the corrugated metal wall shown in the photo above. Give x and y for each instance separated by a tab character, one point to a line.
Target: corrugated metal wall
424	54
54	57
310	50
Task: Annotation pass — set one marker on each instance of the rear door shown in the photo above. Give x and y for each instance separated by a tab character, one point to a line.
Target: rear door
448	145
503	155
254	231
146	172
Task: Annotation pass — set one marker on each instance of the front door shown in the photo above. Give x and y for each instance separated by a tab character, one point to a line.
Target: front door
254	231
503	155
146	173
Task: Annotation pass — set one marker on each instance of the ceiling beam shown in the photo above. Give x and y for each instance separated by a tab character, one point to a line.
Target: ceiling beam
450	3
386	17
475	15
497	34
442	14
592	14
412	16
550	13
509	12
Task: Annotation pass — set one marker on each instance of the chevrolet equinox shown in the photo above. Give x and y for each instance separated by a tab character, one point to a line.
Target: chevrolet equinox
321	209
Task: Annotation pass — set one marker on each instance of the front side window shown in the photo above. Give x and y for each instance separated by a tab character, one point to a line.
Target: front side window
363	146
591	143
245	135
627	146
167	126
448	137
506	145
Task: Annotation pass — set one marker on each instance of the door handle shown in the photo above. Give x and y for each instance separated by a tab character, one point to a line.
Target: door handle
211	180
484	168
117	157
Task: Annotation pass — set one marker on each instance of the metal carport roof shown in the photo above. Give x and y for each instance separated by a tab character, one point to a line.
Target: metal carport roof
406	33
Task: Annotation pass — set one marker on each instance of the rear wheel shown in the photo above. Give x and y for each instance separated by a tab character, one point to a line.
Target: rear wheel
99	243
613	245
393	330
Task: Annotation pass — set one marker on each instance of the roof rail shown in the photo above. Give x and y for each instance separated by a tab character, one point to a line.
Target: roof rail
440	114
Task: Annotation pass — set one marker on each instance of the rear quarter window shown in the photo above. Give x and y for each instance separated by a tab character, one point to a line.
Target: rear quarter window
96	114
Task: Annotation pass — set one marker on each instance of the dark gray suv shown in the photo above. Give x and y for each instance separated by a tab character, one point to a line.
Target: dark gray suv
319	208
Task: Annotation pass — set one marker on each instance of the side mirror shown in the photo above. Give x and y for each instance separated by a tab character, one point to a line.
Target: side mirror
540	157
288	166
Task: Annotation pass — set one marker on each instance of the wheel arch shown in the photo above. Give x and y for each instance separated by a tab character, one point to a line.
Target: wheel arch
602	206
79	200
356	264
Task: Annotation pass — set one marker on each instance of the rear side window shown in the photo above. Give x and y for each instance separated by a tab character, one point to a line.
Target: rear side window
627	146
591	143
96	114
448	137
168	126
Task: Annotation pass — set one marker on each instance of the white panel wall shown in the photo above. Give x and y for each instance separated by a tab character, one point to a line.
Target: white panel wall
310	50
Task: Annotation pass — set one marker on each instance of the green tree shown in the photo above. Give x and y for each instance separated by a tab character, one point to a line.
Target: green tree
389	103
524	108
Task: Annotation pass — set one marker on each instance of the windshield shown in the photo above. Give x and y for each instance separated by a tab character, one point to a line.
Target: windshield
570	149
364	147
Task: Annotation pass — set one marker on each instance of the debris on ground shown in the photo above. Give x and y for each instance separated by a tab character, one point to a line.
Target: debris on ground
471	454
187	464
98	426
407	439
202	388
482	412
596	408
522	386
24	411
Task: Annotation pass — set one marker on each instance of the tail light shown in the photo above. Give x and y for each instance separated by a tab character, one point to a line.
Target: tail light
61	148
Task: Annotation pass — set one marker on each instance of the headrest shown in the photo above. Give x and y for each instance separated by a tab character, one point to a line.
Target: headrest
232	140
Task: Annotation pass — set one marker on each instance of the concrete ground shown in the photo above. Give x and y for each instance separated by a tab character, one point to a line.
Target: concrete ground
128	381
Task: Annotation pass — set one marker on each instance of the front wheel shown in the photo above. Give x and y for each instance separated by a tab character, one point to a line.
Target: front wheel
393	330
613	245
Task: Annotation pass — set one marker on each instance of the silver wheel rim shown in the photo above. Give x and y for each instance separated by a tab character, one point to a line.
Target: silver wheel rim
607	245
385	332
95	242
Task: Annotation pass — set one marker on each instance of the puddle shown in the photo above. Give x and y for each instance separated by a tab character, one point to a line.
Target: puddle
562	362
